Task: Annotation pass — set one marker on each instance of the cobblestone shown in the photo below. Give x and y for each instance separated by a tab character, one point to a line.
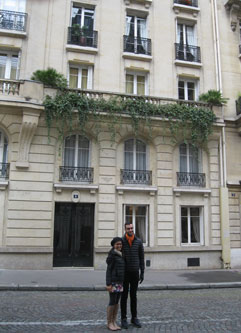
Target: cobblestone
209	310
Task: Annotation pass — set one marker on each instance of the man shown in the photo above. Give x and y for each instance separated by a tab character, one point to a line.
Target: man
133	252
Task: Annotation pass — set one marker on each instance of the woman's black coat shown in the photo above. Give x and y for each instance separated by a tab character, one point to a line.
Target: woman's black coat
115	267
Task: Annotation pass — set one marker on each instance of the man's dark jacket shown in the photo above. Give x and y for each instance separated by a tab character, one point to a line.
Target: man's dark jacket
134	255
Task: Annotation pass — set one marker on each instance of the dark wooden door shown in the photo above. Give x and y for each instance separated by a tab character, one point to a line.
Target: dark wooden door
73	234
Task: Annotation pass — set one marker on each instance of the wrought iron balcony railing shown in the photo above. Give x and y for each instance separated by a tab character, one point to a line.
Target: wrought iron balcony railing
192	3
13	20
187	52
76	174
136	177
80	37
191	179
4	170
238	106
137	45
9	87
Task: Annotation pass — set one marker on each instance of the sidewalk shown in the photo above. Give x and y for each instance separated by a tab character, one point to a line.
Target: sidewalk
89	279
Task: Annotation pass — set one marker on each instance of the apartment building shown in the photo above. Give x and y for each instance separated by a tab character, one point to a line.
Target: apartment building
62	200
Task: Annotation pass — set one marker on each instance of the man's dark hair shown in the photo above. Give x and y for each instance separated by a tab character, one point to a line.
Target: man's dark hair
128	223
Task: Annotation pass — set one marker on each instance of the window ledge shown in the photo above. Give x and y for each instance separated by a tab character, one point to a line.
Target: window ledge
151	189
81	49
180	190
135	56
164	249
3	185
189	9
188	63
71	186
13	33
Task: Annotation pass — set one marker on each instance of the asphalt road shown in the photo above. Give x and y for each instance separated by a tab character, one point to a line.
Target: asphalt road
207	310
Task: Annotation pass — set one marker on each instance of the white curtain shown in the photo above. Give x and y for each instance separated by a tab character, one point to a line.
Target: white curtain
196	229
69	151
140	213
180	34
83	152
140	155
190	38
141	32
183	157
193	159
129	154
128	25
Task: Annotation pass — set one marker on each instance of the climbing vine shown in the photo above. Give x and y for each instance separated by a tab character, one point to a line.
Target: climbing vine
70	110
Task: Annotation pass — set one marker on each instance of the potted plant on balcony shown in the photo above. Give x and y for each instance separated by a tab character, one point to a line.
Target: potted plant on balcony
213	97
79	32
187	2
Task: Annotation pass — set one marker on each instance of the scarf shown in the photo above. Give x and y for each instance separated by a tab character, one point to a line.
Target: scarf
130	239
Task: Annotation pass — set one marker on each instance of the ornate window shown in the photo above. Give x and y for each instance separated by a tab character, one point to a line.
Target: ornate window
191	225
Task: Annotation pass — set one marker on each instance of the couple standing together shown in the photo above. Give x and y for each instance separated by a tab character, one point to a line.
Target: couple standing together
125	269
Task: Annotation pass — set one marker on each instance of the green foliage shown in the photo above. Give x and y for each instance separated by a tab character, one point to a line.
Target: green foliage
50	77
185	121
213	97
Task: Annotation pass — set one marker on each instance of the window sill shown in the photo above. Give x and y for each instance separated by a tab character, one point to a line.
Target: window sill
81	49
13	33
188	63
136	188
185	8
77	186
179	190
3	185
136	56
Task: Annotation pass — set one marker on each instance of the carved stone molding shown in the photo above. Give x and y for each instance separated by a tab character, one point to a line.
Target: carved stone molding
234	9
28	129
146	3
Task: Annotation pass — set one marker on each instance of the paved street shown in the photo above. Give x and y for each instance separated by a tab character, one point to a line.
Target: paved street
207	310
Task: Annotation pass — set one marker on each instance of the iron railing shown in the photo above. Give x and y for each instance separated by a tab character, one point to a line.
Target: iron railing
187	52
191	179
136	177
137	45
238	106
192	3
76	174
4	170
86	38
10	20
9	87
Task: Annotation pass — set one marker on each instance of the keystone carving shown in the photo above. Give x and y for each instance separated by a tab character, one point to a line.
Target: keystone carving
234	8
28	129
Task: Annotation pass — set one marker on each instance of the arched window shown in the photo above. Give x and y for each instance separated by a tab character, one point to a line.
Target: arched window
76	160
135	155
135	163
3	148
76	151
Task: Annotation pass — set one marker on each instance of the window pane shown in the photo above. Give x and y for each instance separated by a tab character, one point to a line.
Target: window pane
129	210
191	91
83	152
193	159
184	229
129	84
76	15
129	154
141	228
194	211
73	78
195	230
140	85
183	157
69	151
3	60
89	19
84	78
14	65
181	90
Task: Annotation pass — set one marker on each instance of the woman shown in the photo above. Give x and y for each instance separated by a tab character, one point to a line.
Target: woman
114	281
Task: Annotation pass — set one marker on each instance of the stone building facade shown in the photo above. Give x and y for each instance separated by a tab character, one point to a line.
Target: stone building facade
62	202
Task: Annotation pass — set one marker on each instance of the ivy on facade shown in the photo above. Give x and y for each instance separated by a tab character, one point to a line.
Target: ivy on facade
70	110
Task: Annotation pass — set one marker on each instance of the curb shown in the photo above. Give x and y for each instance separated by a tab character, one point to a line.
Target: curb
18	287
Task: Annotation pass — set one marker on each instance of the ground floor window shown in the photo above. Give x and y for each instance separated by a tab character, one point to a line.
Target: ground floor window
191	225
138	216
8	66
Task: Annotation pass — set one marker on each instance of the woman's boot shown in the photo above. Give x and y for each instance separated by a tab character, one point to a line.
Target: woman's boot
116	306
110	316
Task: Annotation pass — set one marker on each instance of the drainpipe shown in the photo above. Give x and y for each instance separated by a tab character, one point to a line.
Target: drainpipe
224	206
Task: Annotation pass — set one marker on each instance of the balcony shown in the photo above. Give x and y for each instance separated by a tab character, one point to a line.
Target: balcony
84	38
136	177
188	53
192	3
4	170
9	87
13	20
137	45
191	179
76	174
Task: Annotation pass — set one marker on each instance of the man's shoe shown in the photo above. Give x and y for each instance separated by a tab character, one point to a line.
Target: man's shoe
124	323
136	322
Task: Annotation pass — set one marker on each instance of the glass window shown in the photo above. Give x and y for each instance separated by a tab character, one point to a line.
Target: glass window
189	158
135	84
138	216
80	77
187	90
83	17
191	225
8	66
76	151
13	5
3	148
134	155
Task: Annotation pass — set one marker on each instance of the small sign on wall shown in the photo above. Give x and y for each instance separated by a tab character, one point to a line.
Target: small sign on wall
75	196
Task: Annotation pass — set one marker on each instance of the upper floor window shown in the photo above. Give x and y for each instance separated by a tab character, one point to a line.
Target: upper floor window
135	154
13	5
135	39
76	151
3	148
136	84
191	225
189	158
84	17
80	77
187	89
8	66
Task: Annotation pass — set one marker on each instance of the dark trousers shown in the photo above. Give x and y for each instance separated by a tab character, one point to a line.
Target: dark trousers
131	279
